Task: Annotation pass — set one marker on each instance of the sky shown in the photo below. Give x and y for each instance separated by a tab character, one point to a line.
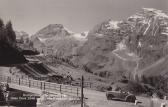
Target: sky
76	15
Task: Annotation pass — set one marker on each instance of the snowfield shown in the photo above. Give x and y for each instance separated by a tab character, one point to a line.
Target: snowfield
113	25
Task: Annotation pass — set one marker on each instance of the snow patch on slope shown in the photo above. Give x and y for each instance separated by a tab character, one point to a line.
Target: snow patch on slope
135	17
79	36
123	53
147	27
113	25
121	46
42	39
69	31
130	54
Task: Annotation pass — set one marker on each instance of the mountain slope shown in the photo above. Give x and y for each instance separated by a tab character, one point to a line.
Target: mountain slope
155	69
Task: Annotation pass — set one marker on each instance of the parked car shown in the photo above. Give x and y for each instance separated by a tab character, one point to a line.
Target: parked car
120	95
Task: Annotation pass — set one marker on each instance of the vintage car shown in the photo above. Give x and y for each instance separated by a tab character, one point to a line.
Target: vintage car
120	95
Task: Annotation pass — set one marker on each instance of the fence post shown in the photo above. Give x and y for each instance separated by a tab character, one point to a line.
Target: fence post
82	92
71	89
77	92
90	84
29	83
19	81
151	103
44	85
41	85
60	89
10	79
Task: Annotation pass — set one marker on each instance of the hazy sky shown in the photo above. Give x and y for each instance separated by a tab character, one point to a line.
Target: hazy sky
76	15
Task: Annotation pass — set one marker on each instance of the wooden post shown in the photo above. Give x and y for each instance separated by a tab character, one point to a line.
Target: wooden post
82	92
44	85
7	80
10	79
60	88
77	92
90	84
19	81
41	85
151	103
29	83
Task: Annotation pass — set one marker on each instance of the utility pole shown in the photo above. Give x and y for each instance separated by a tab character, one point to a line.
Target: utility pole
82	91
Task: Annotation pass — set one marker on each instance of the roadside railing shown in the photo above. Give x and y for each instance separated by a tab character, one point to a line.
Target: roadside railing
48	86
86	84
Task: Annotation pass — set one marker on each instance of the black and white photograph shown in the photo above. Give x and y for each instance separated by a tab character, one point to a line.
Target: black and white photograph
83	53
